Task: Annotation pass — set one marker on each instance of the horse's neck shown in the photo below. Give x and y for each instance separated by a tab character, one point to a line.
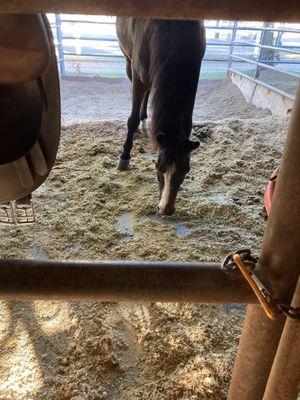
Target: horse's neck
176	52
168	122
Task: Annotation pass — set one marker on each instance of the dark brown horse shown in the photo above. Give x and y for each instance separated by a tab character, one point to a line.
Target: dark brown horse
163	57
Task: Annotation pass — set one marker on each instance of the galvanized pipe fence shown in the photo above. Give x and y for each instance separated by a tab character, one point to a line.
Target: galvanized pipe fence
267	55
266	52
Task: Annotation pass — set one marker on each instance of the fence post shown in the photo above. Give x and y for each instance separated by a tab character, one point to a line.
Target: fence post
233	37
261	42
279	270
283	382
60	46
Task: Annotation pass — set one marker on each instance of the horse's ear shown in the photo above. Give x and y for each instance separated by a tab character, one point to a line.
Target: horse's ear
161	139
192	145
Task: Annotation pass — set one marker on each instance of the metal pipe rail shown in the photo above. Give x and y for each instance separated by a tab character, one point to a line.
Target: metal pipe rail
279	263
59	44
234	28
244	43
86	38
262	65
216	27
257	10
284	378
122	281
262	28
95	55
79	21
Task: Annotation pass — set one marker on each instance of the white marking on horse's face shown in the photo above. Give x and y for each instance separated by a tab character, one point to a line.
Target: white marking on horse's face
164	203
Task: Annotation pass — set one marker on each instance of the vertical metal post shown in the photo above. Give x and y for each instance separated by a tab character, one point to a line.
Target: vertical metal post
256	352
233	38
60	46
261	42
279	270
285	374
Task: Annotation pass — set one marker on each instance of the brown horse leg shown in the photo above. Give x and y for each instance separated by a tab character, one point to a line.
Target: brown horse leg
143	114
128	69
138	91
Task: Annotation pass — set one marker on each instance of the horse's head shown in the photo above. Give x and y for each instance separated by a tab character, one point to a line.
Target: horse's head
172	165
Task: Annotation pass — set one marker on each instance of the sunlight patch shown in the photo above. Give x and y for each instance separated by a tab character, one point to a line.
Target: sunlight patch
20	375
5	319
53	316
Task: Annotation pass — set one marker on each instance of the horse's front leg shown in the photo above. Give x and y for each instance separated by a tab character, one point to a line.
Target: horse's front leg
143	115
138	91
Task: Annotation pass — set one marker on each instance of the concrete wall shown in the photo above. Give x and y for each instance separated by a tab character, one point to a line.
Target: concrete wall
262	97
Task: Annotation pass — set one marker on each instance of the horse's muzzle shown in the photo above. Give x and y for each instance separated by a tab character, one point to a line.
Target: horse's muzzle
166	210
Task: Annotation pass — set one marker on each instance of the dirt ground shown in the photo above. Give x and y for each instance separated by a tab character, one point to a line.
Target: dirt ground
103	98
86	209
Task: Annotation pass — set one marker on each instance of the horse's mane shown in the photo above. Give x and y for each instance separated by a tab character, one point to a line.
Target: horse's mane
176	50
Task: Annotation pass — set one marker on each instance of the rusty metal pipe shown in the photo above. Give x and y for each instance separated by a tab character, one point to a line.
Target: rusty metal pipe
279	270
257	347
284	379
257	10
121	281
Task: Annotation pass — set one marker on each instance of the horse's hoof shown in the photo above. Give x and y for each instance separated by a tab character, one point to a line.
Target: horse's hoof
123	165
136	135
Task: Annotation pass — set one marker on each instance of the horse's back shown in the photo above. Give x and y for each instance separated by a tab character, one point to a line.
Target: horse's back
134	34
140	38
131	32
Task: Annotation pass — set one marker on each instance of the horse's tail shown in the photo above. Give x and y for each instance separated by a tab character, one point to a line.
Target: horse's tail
176	51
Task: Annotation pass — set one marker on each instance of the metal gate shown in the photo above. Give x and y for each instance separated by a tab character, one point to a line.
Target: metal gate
249	50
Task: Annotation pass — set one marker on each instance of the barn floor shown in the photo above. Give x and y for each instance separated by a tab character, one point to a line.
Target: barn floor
86	209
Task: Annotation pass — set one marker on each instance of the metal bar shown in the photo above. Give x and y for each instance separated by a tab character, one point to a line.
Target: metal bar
78	21
281	49
285	30
252	28
115	56
98	39
283	61
261	42
245	43
105	39
96	55
257	10
285	374
266	85
279	270
122	281
215	27
265	66
233	37
256	351
60	47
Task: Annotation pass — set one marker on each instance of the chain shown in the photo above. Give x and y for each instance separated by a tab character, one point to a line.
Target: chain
246	263
288	311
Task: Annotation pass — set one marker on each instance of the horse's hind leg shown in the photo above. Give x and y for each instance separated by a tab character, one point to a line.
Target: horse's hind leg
138	91
128	68
143	114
